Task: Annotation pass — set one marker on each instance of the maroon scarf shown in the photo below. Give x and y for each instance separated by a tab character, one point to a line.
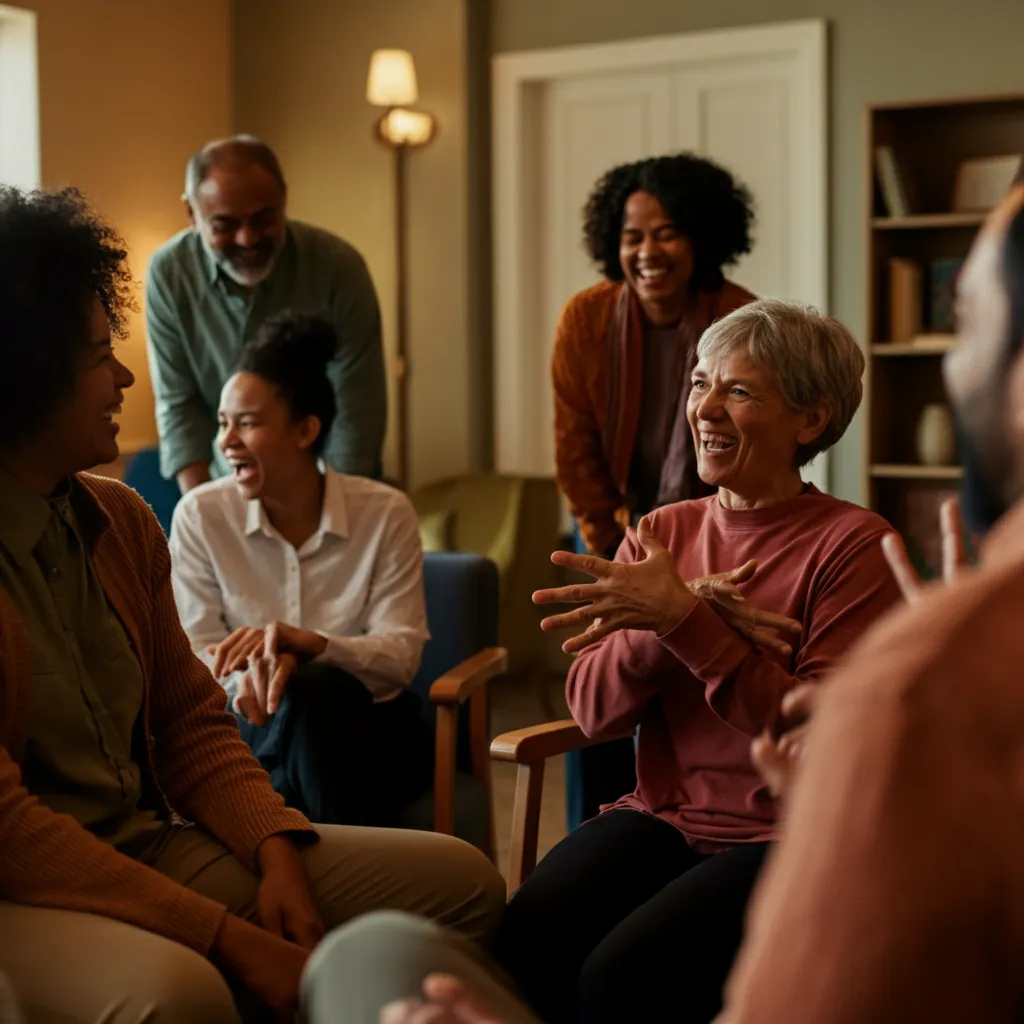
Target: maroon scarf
624	344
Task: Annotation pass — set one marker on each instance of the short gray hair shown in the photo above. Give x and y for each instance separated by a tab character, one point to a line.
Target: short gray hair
815	360
238	149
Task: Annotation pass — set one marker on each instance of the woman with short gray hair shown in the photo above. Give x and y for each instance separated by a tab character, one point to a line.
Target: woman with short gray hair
637	915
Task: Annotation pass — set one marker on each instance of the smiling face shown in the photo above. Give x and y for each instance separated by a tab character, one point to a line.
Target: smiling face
239	212
745	435
82	433
264	446
656	259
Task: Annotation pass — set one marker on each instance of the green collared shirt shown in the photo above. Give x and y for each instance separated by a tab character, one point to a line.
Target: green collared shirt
83	754
197	320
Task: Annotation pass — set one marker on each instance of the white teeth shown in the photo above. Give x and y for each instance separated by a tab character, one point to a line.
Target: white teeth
717	443
651	273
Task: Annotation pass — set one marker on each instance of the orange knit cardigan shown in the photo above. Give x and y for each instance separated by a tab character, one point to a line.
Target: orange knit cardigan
197	759
593	478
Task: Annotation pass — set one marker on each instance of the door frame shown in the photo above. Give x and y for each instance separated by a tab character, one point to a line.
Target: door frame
517	92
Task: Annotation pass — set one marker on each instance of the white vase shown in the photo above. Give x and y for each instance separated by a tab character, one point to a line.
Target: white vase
936	441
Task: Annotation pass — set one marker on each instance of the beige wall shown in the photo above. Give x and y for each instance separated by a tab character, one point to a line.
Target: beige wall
128	91
880	50
300	84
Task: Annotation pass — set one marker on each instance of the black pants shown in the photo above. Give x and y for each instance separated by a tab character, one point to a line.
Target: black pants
338	757
623	921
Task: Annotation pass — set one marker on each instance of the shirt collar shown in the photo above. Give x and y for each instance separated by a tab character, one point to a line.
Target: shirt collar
333	516
24	515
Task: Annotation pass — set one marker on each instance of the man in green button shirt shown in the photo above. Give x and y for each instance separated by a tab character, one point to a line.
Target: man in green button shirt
210	288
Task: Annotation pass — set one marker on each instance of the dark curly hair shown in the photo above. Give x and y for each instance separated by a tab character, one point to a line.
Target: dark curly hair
291	351
55	255
705	202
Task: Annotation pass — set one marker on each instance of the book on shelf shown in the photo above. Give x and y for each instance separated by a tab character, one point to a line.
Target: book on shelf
940	341
983	181
906	300
942	278
892	182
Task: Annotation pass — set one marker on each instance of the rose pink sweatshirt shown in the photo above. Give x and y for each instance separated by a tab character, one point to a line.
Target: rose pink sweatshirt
701	692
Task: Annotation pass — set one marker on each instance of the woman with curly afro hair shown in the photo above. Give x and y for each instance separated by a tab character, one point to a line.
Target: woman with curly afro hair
660	230
113	734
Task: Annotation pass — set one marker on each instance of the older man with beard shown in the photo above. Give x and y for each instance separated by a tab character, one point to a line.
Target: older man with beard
211	287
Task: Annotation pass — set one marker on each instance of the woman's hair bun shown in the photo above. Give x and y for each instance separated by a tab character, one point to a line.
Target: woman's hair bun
291	351
303	337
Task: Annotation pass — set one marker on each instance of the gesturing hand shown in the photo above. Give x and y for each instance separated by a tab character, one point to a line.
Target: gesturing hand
954	559
648	594
777	759
266	964
448	1001
250	700
284	902
722	594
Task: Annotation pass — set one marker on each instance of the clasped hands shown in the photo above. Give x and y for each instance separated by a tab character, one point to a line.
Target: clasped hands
269	658
650	595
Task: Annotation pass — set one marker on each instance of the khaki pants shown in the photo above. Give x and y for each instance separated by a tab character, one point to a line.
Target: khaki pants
70	968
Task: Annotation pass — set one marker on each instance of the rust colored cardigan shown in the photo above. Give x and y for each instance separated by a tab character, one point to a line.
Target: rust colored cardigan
197	759
592	474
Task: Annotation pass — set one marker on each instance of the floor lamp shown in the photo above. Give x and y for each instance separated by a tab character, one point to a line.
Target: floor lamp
391	84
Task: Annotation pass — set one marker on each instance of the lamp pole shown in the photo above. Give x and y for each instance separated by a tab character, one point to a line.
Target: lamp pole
402	320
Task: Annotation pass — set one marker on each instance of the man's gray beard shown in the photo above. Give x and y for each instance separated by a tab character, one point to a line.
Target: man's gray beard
245	278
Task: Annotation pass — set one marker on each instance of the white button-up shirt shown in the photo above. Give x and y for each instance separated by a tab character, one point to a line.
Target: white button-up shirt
358	581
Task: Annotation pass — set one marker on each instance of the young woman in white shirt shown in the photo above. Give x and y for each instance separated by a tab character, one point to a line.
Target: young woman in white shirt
302	589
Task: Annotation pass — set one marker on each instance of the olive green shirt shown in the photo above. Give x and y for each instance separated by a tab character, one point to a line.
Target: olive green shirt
82	757
197	321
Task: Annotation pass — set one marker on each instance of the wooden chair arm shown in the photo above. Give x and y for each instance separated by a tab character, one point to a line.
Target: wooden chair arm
539	742
466	682
458	684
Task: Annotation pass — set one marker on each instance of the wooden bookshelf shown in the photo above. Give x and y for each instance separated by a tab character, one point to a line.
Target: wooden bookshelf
927	221
929	140
912	472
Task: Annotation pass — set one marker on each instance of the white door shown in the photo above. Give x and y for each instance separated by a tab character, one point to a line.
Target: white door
751	99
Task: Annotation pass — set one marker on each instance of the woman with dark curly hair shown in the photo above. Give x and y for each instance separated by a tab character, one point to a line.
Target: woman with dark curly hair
660	230
113	734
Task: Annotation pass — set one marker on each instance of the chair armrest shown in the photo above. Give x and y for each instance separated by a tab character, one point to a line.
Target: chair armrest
539	742
458	684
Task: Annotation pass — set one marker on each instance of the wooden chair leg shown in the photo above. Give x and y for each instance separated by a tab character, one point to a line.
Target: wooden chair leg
480	740
525	824
444	770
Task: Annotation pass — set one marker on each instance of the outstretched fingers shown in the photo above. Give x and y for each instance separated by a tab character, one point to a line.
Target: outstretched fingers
906	577
954	558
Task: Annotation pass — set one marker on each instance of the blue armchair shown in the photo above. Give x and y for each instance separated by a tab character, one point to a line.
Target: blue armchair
143	475
460	658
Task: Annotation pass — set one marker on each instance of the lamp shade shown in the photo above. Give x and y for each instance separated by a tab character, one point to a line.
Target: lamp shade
392	79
